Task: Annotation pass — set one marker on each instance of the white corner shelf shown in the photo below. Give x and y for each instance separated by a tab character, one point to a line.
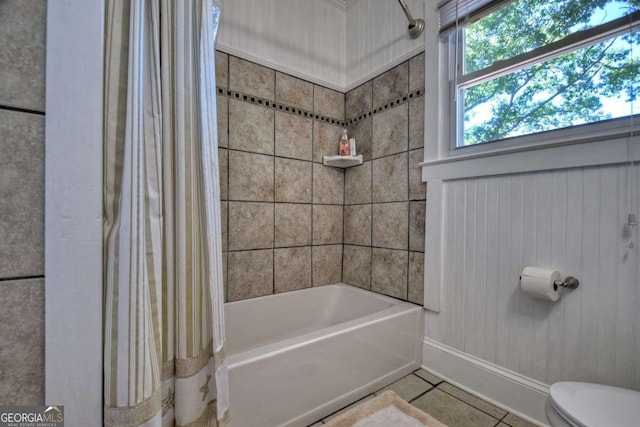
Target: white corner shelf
342	161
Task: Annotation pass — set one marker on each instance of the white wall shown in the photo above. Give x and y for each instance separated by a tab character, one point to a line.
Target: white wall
572	220
333	43
377	36
304	38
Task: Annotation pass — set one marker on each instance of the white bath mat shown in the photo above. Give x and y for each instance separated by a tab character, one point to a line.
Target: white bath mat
385	410
389	416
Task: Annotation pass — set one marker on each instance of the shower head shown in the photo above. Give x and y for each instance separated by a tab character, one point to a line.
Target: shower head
416	29
416	26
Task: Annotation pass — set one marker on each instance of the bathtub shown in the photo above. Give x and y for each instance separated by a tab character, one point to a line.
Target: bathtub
299	356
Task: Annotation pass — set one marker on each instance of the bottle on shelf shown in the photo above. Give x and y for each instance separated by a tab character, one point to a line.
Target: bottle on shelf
344	144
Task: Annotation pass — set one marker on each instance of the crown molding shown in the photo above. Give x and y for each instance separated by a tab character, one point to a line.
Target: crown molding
342	4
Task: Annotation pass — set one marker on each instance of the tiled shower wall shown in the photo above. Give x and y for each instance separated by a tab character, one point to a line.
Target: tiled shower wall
385	198
22	84
287	219
282	209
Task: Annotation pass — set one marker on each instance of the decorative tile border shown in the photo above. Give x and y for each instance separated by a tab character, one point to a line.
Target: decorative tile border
252	99
393	103
278	106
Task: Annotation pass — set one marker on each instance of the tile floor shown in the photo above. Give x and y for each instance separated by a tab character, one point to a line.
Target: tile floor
449	404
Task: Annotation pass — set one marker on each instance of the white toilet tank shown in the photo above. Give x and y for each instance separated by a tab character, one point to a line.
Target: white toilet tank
594	405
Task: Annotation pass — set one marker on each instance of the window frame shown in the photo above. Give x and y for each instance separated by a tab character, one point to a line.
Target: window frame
454	42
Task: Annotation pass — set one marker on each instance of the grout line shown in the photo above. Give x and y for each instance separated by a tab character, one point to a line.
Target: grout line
273	242
434	385
408	265
463	401
250	201
283	202
380	247
238	150
227	119
313	154
258	153
225	249
18	278
422	394
21	110
346	406
371	188
344	190
437	387
501	420
404	151
408	231
420	378
274	248
344	218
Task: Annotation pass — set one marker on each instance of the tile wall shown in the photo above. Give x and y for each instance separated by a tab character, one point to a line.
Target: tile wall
282	210
22	95
385	198
288	221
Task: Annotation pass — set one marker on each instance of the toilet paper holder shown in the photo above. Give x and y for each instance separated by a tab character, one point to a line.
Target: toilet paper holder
569	282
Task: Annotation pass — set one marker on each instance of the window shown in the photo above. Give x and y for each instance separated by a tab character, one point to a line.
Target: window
540	67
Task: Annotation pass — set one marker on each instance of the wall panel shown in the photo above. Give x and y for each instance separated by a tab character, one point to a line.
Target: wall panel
304	38
572	220
377	37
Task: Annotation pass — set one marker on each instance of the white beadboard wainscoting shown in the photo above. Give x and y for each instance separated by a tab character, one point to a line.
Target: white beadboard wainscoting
378	39
303	38
334	43
571	220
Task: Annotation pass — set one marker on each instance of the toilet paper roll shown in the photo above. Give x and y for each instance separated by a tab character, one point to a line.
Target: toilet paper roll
539	283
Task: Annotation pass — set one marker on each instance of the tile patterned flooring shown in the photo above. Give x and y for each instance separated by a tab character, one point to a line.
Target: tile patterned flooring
445	402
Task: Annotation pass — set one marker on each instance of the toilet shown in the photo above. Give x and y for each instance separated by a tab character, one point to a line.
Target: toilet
577	404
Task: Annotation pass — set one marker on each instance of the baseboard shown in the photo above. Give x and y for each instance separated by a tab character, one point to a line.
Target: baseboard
523	396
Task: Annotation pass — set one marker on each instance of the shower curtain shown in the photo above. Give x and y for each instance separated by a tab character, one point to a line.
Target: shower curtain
164	362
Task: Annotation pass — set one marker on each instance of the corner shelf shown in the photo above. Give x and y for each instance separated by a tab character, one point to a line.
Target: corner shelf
342	161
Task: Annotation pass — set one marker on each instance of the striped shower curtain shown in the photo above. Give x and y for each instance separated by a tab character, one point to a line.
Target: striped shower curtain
164	362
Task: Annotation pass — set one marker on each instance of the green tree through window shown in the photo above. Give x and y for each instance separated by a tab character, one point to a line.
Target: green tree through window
590	84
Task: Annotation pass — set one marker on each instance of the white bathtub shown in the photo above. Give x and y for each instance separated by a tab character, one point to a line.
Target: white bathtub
299	356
